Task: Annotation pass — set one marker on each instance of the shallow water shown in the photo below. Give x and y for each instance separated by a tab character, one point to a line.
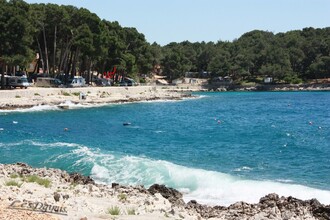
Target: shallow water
218	149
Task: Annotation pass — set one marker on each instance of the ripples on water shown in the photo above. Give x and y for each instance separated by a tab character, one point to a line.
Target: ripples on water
223	147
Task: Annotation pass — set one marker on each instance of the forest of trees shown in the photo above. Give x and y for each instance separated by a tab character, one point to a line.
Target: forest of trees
70	40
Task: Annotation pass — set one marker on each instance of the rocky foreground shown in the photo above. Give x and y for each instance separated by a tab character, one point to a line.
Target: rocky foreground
42	193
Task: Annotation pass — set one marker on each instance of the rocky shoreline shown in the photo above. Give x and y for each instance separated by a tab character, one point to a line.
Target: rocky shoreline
273	87
74	196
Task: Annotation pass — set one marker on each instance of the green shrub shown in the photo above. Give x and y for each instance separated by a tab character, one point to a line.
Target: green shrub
122	197
114	210
66	94
14	175
17	96
35	179
36	94
13	183
131	211
76	93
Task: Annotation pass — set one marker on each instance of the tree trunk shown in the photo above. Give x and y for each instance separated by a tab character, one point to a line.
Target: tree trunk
46	51
74	62
41	57
54	58
2	76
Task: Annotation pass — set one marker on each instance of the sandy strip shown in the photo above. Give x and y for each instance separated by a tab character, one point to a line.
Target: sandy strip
34	96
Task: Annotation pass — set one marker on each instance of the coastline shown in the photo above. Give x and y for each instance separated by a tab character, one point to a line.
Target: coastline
85	96
92	96
92	201
73	196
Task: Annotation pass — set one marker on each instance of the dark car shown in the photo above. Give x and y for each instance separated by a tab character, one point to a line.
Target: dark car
102	82
127	82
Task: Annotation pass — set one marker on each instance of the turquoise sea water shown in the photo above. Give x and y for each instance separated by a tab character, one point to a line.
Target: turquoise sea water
218	148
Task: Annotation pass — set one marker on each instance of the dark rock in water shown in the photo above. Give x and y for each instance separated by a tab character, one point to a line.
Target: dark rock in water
173	195
80	179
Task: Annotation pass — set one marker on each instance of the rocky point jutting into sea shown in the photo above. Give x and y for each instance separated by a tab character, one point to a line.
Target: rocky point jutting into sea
74	196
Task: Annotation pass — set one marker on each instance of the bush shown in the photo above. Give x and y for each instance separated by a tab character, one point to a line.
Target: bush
13	183
66	94
122	197
35	179
131	211
114	210
14	175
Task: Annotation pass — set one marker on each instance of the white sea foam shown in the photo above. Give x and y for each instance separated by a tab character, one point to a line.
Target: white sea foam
208	187
244	168
37	108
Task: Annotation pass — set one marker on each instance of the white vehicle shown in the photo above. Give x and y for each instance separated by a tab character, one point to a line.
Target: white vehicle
77	81
16	81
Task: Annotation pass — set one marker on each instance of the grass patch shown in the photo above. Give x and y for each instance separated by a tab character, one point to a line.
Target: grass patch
114	210
122	197
35	179
131	211
36	94
17	96
66	94
13	183
14	175
76	93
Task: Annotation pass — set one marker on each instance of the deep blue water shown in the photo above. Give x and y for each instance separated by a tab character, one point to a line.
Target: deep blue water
264	142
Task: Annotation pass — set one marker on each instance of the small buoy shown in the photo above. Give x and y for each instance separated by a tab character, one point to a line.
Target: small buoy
219	122
66	129
15	122
310	122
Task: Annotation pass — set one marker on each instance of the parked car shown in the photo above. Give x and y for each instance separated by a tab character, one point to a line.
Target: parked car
16	81
48	82
127	82
77	81
102	82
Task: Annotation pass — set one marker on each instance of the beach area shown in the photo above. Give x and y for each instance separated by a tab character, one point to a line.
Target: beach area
86	96
28	192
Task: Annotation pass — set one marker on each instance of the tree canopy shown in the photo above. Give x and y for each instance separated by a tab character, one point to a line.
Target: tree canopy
70	40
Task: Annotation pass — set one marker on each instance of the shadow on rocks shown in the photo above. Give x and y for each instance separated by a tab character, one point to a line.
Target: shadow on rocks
172	195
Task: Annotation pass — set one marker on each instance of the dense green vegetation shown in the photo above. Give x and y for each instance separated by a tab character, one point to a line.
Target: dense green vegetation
71	40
